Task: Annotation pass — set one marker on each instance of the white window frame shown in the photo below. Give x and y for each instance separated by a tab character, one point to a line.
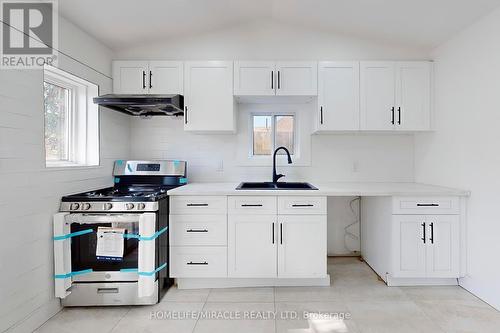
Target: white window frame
83	119
303	128
273	116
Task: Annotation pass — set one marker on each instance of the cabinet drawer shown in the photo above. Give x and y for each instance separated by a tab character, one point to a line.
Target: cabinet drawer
301	205
425	205
198	230
189	261
198	205
251	205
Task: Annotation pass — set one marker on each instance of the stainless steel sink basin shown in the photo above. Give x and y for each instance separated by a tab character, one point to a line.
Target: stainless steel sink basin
275	186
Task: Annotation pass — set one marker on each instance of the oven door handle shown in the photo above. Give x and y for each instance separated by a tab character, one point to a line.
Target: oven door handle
102	218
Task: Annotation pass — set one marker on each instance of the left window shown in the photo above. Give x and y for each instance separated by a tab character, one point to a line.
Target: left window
71	120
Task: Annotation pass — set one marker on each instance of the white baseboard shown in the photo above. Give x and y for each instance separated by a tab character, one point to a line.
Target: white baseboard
37	317
200	283
408	282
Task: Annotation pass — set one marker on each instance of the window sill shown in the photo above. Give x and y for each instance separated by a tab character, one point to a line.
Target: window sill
53	166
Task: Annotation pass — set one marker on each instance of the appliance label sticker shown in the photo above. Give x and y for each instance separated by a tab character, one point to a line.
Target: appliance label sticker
110	243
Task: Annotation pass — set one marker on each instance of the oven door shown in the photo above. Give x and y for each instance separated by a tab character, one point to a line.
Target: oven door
75	259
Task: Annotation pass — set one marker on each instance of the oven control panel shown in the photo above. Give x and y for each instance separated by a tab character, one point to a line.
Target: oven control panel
109	206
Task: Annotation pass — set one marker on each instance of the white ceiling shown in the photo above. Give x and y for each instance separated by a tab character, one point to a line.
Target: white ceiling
424	23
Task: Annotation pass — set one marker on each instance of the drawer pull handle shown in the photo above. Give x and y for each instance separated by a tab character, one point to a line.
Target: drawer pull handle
427	205
303	205
107	290
251	205
197	204
197	263
197	230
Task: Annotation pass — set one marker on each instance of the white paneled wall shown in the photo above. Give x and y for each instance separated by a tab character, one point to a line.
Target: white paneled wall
30	193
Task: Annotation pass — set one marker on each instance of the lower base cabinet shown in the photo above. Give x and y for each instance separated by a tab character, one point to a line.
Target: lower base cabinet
269	246
426	246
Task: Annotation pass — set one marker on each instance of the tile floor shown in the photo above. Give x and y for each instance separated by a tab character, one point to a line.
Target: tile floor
356	301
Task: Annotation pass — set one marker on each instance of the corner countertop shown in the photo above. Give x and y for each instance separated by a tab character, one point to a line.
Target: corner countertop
325	189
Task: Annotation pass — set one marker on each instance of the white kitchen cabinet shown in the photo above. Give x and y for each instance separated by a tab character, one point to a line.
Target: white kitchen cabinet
147	77
377	95
166	77
302	246
338	96
426	246
413	95
130	77
409	248
269	78
395	95
254	78
208	96
252	242
296	78
443	252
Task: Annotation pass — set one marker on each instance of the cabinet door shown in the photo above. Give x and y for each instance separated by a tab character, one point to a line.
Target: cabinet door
302	246
338	95
296	78
413	95
377	95
409	246
130	77
443	246
166	77
255	78
208	89
252	246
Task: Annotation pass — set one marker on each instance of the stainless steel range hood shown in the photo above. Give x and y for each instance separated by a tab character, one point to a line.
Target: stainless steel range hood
143	105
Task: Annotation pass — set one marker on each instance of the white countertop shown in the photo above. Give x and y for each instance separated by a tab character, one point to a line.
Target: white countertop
324	189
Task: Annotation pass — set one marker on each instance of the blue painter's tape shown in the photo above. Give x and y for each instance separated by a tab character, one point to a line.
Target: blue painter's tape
117	180
70	274
135	270
176	163
129	167
146	238
73	234
183	180
119	162
129	270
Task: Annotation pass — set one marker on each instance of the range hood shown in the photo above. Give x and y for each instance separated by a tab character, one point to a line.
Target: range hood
143	105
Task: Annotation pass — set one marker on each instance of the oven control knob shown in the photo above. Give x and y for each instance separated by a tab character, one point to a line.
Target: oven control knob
141	206
86	206
129	206
108	206
74	206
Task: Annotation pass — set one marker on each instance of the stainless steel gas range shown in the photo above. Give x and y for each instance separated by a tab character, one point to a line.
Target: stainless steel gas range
111	244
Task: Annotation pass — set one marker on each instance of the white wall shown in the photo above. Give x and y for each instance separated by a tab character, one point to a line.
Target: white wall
31	193
463	152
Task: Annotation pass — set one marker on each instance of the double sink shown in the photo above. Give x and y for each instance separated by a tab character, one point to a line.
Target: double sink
275	186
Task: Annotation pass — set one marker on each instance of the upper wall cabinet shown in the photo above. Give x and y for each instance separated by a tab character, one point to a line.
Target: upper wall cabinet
395	95
338	96
147	77
208	96
268	78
